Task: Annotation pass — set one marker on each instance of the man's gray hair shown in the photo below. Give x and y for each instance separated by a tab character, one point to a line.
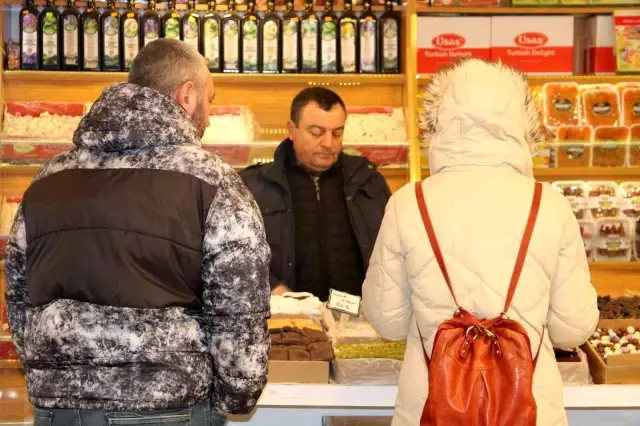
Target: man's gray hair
165	64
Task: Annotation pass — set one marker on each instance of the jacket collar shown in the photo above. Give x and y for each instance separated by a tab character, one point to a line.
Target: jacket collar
356	170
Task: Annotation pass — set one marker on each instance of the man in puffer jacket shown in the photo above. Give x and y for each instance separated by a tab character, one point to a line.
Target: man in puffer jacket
137	267
483	127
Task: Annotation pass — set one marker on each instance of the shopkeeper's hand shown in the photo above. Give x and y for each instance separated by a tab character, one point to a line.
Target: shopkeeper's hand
280	290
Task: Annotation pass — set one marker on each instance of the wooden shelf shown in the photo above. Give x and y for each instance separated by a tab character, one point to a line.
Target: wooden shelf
10	364
538	80
496	10
619	174
266	80
199	6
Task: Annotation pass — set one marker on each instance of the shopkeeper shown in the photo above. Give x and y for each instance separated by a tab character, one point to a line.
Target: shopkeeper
322	208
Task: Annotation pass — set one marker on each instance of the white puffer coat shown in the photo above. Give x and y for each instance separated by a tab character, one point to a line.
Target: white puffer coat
482	122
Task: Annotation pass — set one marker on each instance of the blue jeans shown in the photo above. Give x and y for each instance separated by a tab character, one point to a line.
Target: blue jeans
198	415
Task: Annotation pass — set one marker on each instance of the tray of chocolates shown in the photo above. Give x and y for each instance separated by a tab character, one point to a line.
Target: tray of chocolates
576	193
603	199
613	352
614	239
295	344
624	307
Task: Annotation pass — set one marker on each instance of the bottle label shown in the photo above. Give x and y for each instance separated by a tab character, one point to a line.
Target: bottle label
90	28
290	44
368	46
231	45
111	42
191	31
211	45
70	40
310	43
172	29
150	30
348	45
29	39
329	47
270	48
50	39
131	41
390	44
250	46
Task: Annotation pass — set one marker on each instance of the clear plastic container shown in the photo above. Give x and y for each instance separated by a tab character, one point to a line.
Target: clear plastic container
631	106
561	106
604	199
634	145
614	239
630	199
610	146
588	232
573	146
230	124
601	107
575	191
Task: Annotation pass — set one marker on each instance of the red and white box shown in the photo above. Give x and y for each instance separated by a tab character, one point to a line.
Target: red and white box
599	53
442	40
534	44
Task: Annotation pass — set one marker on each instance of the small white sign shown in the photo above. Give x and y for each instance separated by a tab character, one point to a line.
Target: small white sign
344	302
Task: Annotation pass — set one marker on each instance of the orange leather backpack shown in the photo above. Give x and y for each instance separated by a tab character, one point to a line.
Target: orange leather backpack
481	370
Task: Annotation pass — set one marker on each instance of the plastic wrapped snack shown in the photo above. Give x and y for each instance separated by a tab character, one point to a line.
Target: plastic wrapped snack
634	145
347	329
574	146
630	199
604	199
42	120
610	146
296	304
631	106
366	372
561	104
8	212
230	124
601	107
573	367
588	232
375	125
614	239
576	193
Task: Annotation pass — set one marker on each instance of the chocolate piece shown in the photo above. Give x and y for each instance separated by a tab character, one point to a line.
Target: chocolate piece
299	355
320	345
276	338
279	354
314	335
322	354
291	339
297	348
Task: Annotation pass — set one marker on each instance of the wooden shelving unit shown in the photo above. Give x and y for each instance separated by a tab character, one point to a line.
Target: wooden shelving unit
423	9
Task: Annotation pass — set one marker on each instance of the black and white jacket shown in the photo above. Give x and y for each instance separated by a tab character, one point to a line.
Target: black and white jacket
138	269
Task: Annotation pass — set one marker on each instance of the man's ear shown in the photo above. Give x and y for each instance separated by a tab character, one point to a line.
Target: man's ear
186	96
291	127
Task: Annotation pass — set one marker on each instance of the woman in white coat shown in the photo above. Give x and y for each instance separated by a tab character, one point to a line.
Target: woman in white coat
483	127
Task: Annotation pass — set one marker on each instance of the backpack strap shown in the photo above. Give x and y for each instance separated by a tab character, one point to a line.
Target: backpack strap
433	240
524	245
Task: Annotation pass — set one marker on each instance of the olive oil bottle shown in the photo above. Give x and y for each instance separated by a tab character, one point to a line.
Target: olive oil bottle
348	39
290	40
271	36
389	40
49	37
130	31
329	51
310	39
90	23
171	22
368	29
70	46
250	39
231	47
110	50
190	26
29	37
211	37
150	24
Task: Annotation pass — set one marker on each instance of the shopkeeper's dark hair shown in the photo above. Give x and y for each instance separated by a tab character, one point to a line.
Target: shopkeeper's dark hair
325	98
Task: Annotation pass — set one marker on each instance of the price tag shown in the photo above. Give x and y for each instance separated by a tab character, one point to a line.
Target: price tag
344	302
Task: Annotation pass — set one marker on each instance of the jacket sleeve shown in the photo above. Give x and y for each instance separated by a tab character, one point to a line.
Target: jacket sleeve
235	274
386	295
573	305
18	301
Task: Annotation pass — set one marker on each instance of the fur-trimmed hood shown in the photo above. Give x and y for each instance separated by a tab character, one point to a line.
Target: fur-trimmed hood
480	114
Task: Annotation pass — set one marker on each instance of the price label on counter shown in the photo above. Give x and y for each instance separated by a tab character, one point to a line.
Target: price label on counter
344	302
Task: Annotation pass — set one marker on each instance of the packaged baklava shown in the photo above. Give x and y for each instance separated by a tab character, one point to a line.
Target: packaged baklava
588	232
604	199
630	199
610	146
614	239
601	107
631	106
573	146
561	104
575	191
634	145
